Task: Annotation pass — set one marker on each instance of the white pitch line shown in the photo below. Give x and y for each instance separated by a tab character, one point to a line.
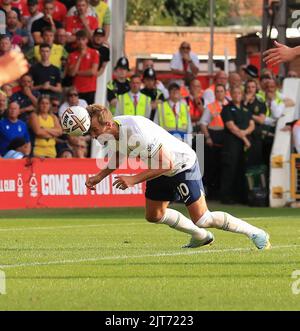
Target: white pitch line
32	264
65	227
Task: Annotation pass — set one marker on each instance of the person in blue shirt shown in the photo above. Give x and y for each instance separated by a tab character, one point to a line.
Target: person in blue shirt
11	127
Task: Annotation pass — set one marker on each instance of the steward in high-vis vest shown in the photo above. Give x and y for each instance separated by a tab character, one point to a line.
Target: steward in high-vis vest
174	116
119	85
212	127
134	102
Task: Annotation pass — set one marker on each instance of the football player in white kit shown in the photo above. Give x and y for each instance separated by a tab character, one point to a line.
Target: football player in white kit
172	174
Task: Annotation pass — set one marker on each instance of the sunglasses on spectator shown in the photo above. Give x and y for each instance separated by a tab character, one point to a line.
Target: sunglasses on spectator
185	47
73	95
56	105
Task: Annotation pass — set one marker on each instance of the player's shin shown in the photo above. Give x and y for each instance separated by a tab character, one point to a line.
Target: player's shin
224	221
178	221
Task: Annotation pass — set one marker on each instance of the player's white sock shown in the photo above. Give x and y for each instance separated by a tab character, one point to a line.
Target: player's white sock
224	221
178	221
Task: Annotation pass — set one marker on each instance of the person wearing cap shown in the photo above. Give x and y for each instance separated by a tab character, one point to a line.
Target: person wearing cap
82	66
120	84
103	12
173	115
251	71
18	149
150	89
134	102
98	43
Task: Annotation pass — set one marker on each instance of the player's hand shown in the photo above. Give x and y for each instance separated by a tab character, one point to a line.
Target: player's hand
281	53
92	182
123	182
12	66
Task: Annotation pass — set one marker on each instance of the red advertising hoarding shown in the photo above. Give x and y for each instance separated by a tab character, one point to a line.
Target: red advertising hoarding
58	183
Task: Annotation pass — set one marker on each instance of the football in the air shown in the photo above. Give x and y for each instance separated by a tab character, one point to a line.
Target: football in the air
75	121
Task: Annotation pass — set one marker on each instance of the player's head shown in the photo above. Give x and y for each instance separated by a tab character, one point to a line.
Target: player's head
101	121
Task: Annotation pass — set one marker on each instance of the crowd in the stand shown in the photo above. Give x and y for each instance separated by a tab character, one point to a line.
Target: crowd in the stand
66	44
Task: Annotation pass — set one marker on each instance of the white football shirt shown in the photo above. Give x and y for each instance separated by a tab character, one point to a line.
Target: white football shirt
139	136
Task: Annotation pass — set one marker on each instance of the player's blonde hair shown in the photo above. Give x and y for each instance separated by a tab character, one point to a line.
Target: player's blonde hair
102	113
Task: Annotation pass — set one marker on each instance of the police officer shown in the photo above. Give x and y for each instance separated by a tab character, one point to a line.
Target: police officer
120	84
134	102
150	89
238	125
258	111
173	115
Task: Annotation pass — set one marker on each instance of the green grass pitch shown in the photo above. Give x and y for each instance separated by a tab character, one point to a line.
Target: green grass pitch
112	259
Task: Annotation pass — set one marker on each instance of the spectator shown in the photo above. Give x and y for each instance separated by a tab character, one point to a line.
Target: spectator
7	6
72	100
120	84
238	125
212	127
83	66
3	104
26	97
35	14
66	153
103	13
134	102
173	115
8	90
149	64
21	6
292	74
55	102
150	89
234	80
61	38
80	147
242	73
46	20
258	111
18	149
185	63
209	93
6	45
11	127
275	108
98	43
46	128
195	103
46	77
17	35
81	20
58	52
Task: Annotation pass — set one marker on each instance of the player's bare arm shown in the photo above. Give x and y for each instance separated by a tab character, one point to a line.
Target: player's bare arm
165	164
281	53
112	165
